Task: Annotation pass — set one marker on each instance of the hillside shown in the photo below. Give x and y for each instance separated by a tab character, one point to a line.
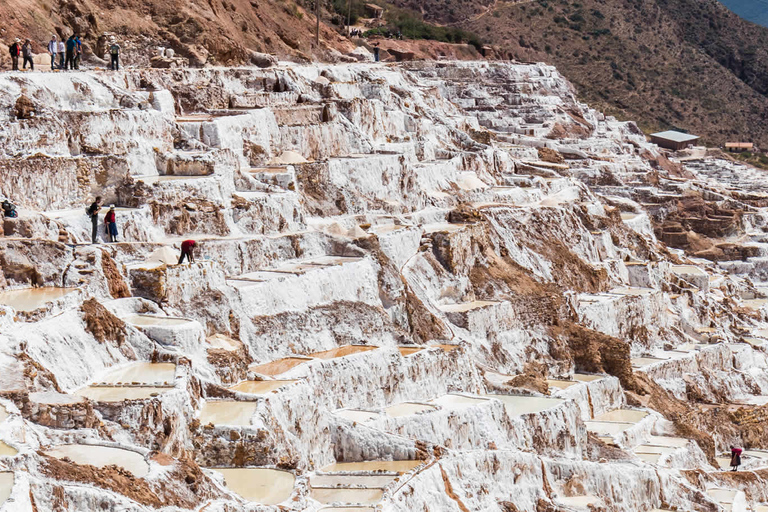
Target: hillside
755	11
686	64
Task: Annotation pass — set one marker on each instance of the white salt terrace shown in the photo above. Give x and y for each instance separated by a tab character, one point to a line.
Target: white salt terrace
228	412
467	306
561	384
348	509
373	466
3	414
372	481
31	299
358	415
120	393
344	351
259	485
408	408
457	401
652	454
579	502
587	377
151	180
101	456
293	268
141	373
260	387
137	381
6	486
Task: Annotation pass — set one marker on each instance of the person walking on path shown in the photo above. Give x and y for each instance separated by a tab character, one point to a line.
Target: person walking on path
376	51
26	51
110	219
62	51
53	48
15	51
114	55
69	63
78	51
187	250
735	458
93	212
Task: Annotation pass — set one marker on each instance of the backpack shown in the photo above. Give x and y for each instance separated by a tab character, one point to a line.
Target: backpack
114	49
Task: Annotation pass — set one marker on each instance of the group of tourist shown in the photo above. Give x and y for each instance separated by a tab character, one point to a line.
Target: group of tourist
110	227
64	54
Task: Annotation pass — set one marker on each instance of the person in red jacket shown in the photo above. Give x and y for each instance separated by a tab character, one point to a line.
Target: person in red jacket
735	458
110	219
15	51
187	249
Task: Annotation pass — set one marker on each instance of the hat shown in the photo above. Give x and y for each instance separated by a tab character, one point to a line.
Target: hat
17	40
111	207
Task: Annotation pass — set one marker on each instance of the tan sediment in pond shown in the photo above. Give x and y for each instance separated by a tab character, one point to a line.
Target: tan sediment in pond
389	466
228	412
30	299
578	501
101	456
447	348
366	481
561	384
622	415
362	496
518	405
142	373
639	362
407	351
587	377
342	351
357	415
278	366
407	408
7	451
466	306
3	414
609	428
152	320
260	485
120	393
260	387
6	486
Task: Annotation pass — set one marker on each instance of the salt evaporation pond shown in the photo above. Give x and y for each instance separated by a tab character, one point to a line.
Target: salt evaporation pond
30	299
358	415
142	373
608	428
407	351
519	405
587	377
278	366
408	408
561	384
228	412
260	485
578	501
7	451
347	509
362	496
120	393
366	481
6	486
622	416
455	401
153	320
3	414
101	456
346	350
260	387
387	466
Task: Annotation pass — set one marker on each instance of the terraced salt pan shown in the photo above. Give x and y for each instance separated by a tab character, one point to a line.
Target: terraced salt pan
142	373
519	405
408	408
278	366
152	320
640	362
359	496
722	495
561	384
446	348
30	299
672	442
3	414
358	415
120	393
587	377
387	466
622	415
348	509
407	351
259	485
366	481
101	456
608	428
578	501
260	387
228	412
346	350
455	401
466	306
6	486
7	451
151	180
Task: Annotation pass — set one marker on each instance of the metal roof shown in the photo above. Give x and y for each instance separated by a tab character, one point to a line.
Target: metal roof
675	136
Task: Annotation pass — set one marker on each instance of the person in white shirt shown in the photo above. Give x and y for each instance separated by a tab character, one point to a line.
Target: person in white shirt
53	49
62	53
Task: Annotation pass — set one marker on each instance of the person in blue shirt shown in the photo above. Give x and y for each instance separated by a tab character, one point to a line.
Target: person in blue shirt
69	63
78	51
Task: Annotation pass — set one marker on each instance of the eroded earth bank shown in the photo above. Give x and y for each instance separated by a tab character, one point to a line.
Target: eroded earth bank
419	287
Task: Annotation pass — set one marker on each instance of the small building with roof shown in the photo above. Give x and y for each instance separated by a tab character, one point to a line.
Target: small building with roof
673	140
738	147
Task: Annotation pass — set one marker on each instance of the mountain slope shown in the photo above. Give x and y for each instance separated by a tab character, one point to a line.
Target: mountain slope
687	64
